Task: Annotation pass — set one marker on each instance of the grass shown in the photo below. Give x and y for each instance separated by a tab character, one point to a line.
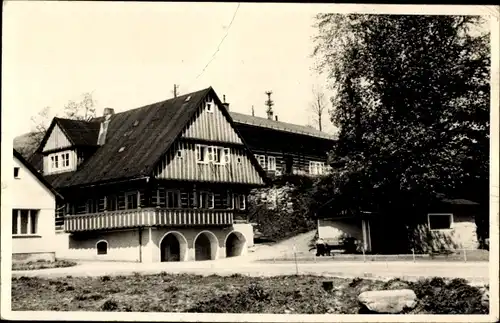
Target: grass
231	294
42	264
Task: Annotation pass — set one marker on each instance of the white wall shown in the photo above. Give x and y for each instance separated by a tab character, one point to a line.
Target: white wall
27	192
334	229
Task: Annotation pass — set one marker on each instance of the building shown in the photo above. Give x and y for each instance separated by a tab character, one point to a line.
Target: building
443	225
164	182
33	211
282	147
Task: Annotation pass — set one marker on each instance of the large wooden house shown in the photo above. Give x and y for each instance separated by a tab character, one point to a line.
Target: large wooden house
285	148
165	182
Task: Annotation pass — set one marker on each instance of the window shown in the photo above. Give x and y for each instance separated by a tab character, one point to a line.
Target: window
271	163
65	160
24	222
16	172
54	162
173	199
111	203
212	154
206	200
440	221
102	247
210	106
209	157
238	160
200	153
92	206
230	200
218	151
179	153
131	200
262	160
240	202
59	161
316	168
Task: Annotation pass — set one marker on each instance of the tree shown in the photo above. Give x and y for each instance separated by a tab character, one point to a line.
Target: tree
85	109
318	106
411	100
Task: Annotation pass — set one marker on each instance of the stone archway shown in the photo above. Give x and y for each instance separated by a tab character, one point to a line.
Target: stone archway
205	246
236	244
173	247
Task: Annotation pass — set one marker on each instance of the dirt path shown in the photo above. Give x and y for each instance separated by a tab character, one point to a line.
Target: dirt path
301	243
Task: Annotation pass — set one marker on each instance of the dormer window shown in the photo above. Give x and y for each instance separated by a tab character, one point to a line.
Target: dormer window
60	162
210	106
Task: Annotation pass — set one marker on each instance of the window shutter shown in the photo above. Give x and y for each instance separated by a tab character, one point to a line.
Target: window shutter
227	155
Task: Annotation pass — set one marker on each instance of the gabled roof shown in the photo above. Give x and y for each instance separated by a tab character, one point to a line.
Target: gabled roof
78	132
36	174
136	141
279	125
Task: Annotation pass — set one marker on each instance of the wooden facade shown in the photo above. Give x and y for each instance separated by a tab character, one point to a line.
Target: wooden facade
57	140
181	163
292	153
202	179
211	125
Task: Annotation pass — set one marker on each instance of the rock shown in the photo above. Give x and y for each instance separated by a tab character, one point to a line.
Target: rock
388	301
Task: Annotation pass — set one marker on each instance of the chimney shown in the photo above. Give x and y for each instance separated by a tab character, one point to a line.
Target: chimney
276	117
107	113
225	104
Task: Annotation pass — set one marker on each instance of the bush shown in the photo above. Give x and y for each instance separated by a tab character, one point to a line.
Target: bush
109	306
456	297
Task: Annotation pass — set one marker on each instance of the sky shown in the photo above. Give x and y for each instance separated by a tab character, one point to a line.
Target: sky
132	54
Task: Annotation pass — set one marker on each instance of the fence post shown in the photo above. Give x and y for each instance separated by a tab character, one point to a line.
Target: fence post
413	253
295	257
465	255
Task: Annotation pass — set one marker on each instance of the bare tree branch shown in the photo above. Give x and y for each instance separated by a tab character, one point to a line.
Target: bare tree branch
318	107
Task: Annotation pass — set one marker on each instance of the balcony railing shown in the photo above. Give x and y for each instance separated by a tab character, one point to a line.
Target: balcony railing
146	217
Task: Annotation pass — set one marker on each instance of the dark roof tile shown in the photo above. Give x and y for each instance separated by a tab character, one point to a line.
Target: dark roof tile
279	125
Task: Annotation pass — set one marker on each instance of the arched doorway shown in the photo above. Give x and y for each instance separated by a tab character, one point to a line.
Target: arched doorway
205	246
235	244
173	247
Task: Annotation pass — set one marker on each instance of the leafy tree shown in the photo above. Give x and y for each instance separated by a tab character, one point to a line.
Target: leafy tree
412	105
84	109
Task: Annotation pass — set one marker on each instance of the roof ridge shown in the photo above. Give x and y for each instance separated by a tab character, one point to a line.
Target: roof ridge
155	103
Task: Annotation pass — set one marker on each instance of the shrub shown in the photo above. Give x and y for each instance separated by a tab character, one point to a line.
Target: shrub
456	297
109	306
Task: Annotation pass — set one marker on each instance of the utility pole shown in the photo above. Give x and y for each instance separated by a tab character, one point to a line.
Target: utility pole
176	86
269	104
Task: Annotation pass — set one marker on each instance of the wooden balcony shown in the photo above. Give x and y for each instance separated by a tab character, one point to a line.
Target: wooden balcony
147	217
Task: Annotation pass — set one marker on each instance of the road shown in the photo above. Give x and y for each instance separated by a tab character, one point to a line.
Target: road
475	272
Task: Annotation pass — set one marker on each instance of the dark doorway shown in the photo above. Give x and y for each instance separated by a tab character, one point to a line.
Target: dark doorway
170	248
235	244
204	247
